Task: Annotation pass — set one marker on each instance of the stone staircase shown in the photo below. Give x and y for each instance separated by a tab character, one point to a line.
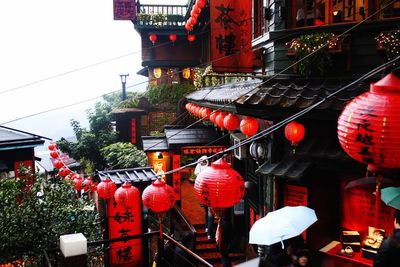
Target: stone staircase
207	249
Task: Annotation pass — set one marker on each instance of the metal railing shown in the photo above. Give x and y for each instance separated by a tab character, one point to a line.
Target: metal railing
161	15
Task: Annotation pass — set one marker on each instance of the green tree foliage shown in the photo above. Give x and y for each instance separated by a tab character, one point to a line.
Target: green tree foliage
123	155
33	220
167	95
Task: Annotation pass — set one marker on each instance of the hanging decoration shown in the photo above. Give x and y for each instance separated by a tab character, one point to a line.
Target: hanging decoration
231	122
258	150
191	38
172	37
249	126
219	120
186	73
205	114
294	132
369	126
153	38
106	188
126	195
87	184
219	186
159	198
78	182
157	72
213	117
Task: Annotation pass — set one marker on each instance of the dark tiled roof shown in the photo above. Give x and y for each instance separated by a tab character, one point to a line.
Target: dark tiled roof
224	93
284	93
152	143
293	169
12	138
126	110
133	175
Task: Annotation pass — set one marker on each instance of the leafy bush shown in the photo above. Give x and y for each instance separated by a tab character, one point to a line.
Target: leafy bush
33	220
389	42
123	155
168	95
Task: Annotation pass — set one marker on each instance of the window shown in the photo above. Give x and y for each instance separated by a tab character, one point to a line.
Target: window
309	12
389	9
347	10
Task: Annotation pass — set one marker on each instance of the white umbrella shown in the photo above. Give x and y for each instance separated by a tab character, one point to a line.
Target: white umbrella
281	224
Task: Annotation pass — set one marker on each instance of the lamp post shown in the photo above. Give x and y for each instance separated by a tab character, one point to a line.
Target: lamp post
123	81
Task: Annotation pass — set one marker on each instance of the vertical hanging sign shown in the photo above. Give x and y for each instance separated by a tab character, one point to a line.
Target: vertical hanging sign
176	176
231	36
133	131
124	9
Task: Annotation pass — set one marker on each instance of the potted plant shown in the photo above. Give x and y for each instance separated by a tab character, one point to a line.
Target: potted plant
389	43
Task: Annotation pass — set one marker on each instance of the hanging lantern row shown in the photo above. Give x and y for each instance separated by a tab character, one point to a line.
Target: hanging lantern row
172	37
73	178
225	120
368	128
194	14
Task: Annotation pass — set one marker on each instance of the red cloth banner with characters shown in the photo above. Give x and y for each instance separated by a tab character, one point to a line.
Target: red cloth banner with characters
231	36
133	131
124	222
176	176
124	9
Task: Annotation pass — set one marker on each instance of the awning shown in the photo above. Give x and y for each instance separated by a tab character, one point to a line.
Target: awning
133	175
153	143
292	169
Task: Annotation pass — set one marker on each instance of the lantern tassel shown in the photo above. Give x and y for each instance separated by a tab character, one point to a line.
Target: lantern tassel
161	231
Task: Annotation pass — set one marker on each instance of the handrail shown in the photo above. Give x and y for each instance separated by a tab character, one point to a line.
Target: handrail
184	218
179	219
185	249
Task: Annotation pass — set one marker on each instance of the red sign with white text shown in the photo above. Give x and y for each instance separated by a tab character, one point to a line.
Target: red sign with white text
124	9
295	195
231	36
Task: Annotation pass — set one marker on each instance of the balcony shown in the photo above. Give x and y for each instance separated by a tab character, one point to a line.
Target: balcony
160	16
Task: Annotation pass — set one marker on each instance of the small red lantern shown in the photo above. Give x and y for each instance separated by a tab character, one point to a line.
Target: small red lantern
195	12
249	126
172	37
78	182
213	116
231	122
188	27
191	38
368	128
52	146
54	154
158	197
126	195
201	3
205	114
87	183
153	38
219	120
58	164
294	132
106	188
219	186
193	20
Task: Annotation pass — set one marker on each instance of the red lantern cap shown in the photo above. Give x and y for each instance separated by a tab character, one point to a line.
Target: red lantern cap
249	126
368	128
158	197
106	188
219	186
294	132
126	195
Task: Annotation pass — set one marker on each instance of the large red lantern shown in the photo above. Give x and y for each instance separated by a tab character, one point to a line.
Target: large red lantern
126	196
369	126
58	164
219	120
106	188
172	37
231	122
153	38
294	132
219	186
158	197
191	38
249	126
201	3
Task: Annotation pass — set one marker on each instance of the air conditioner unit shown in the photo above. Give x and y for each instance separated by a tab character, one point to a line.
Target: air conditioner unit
240	152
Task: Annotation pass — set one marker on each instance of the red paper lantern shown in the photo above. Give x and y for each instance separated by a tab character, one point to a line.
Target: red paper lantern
188	27
193	20
201	3
153	38
106	188
158	197
172	37
127	195
231	122
195	12
78	182
219	186
213	116
58	164
219	120
54	154
52	146
191	38
369	126
205	114
294	132
249	126
87	183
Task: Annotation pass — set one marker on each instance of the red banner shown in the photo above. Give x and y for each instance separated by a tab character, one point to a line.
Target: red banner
295	195
176	176
133	131
123	223
124	9
231	36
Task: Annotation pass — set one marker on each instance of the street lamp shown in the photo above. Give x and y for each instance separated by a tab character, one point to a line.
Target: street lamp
123	81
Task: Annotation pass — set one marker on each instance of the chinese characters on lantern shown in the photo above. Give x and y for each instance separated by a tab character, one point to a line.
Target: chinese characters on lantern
231	36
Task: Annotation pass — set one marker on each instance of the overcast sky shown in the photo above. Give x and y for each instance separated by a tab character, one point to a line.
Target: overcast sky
57	40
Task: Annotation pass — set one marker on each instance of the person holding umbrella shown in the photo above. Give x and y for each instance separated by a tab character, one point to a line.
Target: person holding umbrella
389	252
